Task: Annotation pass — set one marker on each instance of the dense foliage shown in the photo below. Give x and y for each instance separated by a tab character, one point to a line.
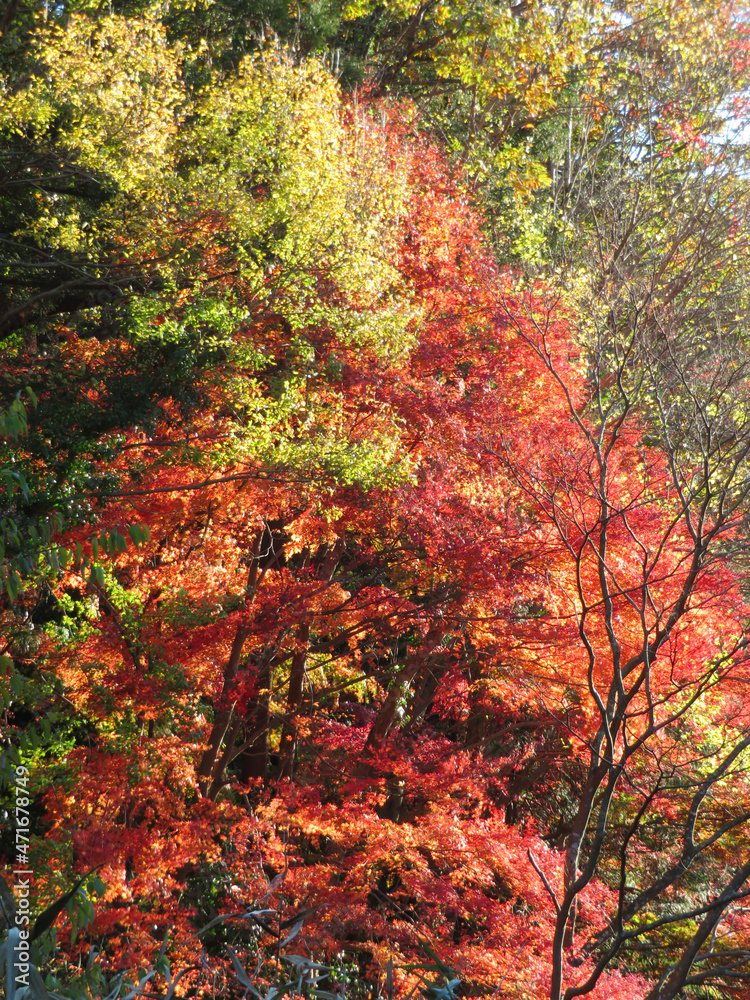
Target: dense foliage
375	499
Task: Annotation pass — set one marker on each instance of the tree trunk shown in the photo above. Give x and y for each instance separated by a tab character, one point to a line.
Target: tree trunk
255	757
206	775
387	714
288	746
207	770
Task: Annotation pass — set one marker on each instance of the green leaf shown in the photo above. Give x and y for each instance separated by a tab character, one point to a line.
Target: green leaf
66	902
12	583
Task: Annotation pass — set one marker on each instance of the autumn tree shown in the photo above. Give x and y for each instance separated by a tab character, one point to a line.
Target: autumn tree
644	484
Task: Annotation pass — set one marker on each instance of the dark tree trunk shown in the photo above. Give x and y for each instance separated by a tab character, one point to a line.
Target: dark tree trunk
254	760
288	746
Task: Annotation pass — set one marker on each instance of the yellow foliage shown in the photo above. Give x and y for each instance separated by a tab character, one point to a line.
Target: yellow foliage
310	197
112	87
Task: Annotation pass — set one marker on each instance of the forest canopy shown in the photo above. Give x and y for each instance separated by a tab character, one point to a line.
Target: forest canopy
375	499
